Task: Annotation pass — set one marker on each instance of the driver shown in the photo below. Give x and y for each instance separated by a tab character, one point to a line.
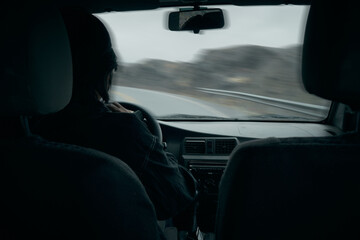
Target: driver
90	121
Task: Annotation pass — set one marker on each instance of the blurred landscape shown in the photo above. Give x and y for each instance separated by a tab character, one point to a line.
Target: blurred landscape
266	71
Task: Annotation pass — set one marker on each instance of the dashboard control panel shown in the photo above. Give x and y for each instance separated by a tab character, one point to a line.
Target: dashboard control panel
206	158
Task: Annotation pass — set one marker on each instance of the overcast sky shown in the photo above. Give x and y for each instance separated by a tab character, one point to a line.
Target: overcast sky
142	35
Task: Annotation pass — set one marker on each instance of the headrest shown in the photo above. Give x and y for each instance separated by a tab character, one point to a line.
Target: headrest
35	60
331	52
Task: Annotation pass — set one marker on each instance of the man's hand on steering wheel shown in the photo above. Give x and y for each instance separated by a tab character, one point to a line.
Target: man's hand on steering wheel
149	119
117	107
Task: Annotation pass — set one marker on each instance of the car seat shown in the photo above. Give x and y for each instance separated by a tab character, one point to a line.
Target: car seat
303	188
52	190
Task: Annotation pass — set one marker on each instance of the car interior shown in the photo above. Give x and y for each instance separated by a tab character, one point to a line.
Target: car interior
284	166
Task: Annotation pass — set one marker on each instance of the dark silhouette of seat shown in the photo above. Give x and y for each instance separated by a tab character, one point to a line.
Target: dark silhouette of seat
51	190
303	188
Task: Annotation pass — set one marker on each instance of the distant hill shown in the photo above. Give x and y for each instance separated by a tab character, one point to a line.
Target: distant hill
273	72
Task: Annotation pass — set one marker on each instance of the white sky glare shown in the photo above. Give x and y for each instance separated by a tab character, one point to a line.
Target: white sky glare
143	34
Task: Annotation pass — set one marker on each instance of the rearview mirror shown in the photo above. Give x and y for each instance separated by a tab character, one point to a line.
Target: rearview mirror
196	20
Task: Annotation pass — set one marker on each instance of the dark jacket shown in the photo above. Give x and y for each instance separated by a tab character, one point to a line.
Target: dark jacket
170	187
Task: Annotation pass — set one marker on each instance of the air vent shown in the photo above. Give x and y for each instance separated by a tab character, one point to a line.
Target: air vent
194	147
224	146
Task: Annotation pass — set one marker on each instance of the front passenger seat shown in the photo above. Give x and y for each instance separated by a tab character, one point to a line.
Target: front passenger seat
303	188
51	190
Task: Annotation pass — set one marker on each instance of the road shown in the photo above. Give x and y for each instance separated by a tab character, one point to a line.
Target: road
162	104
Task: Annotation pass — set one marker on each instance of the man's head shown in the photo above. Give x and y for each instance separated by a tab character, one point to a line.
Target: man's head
93	58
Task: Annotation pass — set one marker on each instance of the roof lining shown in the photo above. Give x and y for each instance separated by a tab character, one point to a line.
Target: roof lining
99	6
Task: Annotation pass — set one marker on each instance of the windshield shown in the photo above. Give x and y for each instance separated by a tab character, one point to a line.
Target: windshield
249	70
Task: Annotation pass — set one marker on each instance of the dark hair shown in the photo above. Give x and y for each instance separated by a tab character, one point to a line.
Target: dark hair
92	55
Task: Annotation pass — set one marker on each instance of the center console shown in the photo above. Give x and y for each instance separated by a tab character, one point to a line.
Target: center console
206	159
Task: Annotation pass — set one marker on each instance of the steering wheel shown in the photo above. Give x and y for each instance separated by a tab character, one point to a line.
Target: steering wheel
151	122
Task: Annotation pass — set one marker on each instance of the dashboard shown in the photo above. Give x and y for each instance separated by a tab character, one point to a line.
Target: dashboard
204	148
176	134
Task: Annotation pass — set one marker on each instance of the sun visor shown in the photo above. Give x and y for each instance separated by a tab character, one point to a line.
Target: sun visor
331	52
35	61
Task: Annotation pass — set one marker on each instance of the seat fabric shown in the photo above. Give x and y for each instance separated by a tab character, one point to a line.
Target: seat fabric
57	191
293	188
